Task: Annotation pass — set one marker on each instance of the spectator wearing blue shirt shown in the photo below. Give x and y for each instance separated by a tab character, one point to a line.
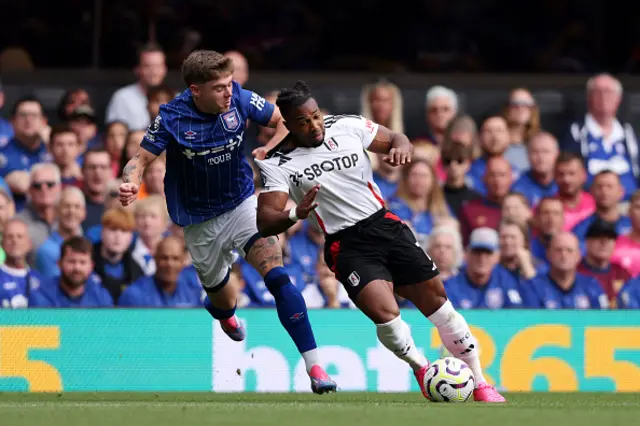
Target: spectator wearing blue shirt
386	177
303	249
168	288
113	258
563	286
6	130
602	140
629	296
25	149
548	221
514	251
607	192
17	280
75	288
494	140
419	200
151	222
71	212
482	283
64	145
539	182
7	211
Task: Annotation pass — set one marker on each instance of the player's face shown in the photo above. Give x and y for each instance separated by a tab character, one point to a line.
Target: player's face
306	122
75	267
214	96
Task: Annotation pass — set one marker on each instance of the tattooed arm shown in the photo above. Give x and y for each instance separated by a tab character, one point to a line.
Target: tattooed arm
132	175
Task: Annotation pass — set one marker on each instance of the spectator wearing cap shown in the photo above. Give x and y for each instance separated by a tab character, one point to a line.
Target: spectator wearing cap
129	104
607	192
40	213
564	287
65	148
82	120
75	288
71	212
600	244
601	139
25	149
483	283
168	286
538	182
627	251
487	211
6	130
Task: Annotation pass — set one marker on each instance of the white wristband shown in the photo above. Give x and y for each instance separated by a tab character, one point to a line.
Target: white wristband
292	215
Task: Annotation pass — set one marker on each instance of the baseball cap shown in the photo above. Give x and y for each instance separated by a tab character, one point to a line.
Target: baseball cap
83	111
484	239
602	228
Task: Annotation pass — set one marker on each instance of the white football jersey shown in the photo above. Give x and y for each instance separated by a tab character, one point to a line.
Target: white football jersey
340	165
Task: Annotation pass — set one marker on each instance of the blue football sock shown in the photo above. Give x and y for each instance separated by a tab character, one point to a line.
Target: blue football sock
292	310
217	313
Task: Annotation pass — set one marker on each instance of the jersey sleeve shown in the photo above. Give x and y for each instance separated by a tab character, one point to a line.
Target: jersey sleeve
256	107
157	137
273	179
364	128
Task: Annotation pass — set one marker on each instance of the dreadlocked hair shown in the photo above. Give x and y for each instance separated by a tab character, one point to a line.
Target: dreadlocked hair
293	97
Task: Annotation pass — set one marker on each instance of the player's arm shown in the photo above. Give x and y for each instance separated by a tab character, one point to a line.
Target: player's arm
276	122
153	144
396	145
272	217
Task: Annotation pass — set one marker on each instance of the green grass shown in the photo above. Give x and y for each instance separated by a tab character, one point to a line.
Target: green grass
148	409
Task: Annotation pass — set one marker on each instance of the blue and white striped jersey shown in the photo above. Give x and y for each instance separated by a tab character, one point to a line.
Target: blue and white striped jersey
207	173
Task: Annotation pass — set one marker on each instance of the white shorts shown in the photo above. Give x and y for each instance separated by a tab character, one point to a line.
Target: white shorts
211	243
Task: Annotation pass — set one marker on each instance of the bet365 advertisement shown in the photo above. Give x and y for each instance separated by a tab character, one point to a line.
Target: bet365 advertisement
183	350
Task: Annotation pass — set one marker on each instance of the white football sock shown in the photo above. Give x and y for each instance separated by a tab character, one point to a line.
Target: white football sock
395	335
311	358
457	338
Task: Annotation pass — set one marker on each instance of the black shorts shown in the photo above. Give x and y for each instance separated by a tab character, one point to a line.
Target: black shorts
379	247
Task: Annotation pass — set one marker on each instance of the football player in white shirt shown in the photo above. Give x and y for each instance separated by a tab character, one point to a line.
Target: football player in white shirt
323	166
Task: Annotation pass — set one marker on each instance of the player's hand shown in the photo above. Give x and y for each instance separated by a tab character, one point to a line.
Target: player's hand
399	156
259	153
128	193
308	203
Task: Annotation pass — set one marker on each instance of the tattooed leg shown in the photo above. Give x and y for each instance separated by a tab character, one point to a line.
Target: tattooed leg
265	254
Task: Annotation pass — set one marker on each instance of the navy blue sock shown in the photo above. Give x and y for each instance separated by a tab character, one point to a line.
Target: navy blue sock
292	309
217	313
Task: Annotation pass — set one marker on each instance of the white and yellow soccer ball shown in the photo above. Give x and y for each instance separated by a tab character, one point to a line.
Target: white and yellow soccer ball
449	380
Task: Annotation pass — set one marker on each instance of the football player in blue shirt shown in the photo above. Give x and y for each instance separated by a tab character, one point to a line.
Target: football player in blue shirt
563	287
17	280
210	193
75	288
168	288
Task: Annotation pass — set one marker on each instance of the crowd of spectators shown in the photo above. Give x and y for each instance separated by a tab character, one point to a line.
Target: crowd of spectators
512	215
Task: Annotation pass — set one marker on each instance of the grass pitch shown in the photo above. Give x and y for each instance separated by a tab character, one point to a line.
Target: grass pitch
370	409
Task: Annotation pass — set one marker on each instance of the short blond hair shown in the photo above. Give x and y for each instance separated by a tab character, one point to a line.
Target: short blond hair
152	202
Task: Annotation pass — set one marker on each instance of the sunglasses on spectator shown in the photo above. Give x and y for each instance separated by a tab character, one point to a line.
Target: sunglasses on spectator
448	161
522	102
40	185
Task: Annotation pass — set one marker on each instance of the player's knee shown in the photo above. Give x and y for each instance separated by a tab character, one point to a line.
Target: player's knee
265	255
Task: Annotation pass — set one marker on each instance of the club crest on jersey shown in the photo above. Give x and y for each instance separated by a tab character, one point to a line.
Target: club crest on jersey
331	144
354	279
230	120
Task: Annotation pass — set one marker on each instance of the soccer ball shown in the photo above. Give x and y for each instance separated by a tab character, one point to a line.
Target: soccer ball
449	380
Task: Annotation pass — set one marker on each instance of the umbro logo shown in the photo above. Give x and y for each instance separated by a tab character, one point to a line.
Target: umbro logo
296	178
